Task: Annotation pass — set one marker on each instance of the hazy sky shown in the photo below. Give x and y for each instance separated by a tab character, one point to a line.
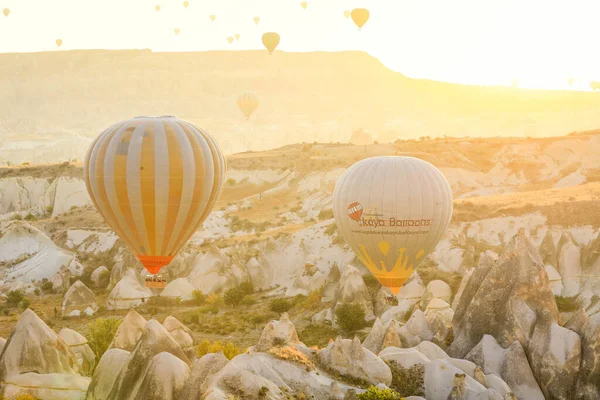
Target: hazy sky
540	43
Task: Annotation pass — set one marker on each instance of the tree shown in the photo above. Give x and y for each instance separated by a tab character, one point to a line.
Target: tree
350	317
199	297
14	297
280	305
234	296
101	333
375	393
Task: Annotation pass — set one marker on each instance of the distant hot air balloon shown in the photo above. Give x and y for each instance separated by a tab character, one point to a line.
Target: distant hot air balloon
271	41
571	81
213	17
6	11
59	42
248	103
186	4
154	180
157	7
176	30
230	39
304	4
360	16
392	211
594	85
347	13
237	36
256	20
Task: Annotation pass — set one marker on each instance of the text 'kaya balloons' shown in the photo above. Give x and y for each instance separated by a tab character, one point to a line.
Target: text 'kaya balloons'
154	180
248	103
271	41
392	211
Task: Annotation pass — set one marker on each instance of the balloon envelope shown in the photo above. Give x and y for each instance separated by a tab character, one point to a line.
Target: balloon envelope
271	41
229	39
186	4
248	103
237	36
304	4
256	20
6	11
392	211
176	30
213	17
157	8
154	180
58	42
347	13
360	16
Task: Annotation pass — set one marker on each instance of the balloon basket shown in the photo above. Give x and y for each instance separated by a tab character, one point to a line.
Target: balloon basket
155	282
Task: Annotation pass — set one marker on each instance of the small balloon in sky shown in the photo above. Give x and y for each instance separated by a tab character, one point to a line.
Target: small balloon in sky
59	42
230	39
360	16
6	11
237	36
304	4
256	20
176	30
347	13
213	17
271	41
571	81
186	4
157	7
248	103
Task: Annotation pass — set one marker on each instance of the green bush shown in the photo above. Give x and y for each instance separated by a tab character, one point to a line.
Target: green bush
246	287
231	181
24	304
199	297
350	317
47	286
229	350
280	305
14	297
566	304
408	381
317	335
234	296
375	393
325	214
100	333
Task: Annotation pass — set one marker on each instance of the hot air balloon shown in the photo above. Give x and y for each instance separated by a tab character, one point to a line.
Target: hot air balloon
347	13
304	4
237	36
6	11
154	180
256	20
59	42
157	8
213	17
271	41
230	39
571	81
392	211
360	16
248	103
186	4
176	30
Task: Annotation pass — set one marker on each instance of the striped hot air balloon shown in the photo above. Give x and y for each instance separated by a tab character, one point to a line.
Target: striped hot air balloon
248	103
154	180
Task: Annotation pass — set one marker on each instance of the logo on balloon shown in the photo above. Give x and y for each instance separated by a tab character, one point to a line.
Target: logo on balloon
355	211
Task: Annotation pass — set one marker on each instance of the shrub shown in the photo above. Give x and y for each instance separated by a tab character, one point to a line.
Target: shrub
229	350
234	296
408	381
331	229
262	392
199	297
29	217
214	300
350	317
246	287
280	305
566	304
26	396
375	393
231	181
248	301
24	304
100	333
14	297
317	335
325	214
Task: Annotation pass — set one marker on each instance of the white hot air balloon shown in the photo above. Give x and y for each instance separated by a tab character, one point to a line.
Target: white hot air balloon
392	211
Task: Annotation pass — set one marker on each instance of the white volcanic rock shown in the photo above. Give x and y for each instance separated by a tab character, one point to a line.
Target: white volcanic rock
23	194
32	254
436	290
440	379
68	192
214	272
106	372
461	288
126	260
416	330
207	365
163	379
86	359
555	280
439	309
348	357
405	358
277	334
182	335
36	361
569	266
90	241
352	290
100	277
587	385
382	336
179	288
400	313
61	281
79	300
129	332
129	292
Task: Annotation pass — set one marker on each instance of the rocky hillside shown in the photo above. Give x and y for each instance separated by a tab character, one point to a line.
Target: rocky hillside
507	305
54	103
